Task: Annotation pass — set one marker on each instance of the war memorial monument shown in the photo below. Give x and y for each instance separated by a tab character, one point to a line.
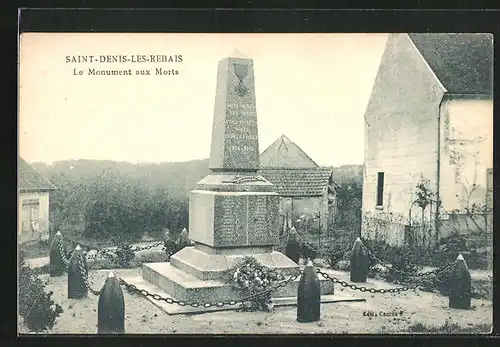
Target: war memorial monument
233	212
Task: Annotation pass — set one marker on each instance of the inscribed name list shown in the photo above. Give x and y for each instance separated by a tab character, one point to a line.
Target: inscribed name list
245	220
230	220
241	135
262	226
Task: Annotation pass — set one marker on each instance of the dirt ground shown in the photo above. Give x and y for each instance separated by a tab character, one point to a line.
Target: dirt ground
395	313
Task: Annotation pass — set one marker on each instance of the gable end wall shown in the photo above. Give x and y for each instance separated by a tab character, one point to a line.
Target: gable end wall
401	138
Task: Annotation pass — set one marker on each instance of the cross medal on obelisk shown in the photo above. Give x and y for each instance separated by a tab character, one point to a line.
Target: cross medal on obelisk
240	71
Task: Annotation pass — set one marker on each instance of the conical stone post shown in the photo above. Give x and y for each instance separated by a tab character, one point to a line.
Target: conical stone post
359	262
460	285
309	296
111	308
184	240
292	249
77	275
57	259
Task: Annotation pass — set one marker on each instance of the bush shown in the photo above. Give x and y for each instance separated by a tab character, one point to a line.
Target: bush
482	289
169	246
35	305
308	251
377	271
35	249
349	201
343	265
334	254
399	263
436	282
402	267
474	250
124	255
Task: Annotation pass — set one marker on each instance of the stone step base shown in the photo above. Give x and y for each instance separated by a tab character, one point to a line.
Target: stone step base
174	309
184	286
199	262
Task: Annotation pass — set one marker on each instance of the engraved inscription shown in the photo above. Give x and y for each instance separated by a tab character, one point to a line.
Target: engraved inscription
259	228
241	129
230	221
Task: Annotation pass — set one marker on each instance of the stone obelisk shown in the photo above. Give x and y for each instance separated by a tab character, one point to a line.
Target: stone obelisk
233	212
233	207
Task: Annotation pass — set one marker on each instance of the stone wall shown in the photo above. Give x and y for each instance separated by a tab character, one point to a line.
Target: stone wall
389	227
463	224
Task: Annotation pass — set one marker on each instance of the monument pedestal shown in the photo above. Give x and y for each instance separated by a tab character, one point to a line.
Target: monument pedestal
231	217
181	285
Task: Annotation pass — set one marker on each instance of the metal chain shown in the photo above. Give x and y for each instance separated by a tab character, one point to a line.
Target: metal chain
102	252
62	254
107	253
365	289
110	254
437	271
318	252
418	274
382	262
143	248
372	290
133	289
83	245
85	276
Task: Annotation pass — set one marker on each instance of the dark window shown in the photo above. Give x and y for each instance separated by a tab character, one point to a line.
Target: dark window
380	189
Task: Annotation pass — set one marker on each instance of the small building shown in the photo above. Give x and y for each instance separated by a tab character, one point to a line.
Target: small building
429	139
307	190
33	203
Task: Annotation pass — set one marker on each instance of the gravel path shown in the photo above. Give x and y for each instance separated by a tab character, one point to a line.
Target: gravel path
394	313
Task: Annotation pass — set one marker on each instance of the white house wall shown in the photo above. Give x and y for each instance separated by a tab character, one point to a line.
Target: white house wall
43	199
401	138
466	155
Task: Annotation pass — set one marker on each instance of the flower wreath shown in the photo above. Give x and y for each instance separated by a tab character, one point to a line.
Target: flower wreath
250	277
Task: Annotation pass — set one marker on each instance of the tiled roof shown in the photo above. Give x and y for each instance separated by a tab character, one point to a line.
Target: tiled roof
298	182
463	63
30	179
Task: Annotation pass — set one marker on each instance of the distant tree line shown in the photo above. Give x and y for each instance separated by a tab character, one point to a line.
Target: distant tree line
112	205
101	199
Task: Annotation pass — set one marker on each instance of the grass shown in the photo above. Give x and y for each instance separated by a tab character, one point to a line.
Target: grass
451	328
42	270
150	257
482	289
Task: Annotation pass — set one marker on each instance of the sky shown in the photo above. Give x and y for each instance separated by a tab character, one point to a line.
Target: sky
313	88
